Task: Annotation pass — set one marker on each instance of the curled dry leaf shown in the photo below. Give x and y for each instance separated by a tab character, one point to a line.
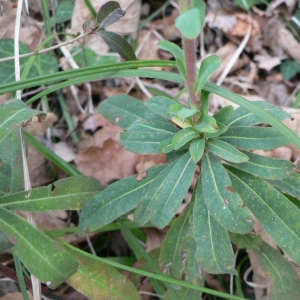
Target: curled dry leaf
39	128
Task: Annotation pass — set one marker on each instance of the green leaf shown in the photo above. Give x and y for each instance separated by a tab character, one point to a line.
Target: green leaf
200	4
177	52
5	243
222	129
66	194
225	151
289	68
54	265
224	114
171	252
266	167
11	166
214	252
166	145
123	111
109	13
189	23
176	107
160	105
208	124
166	193
116	200
254	138
290	135
184	136
98	280
13	114
64	11
119	44
284	278
187	112
145	137
208	66
248	241
44	64
222	201
243	117
289	185
197	149
278	216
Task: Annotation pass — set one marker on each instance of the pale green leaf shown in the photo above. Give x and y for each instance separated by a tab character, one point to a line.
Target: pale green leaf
189	23
277	215
266	167
116	200
40	255
197	149
166	193
124	110
98	280
187	112
11	166
222	129
66	194
222	201
64	11
177	52
214	251
13	114
207	68
226	151
208	125
119	44
160	105
243	117
109	13
284	278
289	185
145	137
254	138
224	114
166	145
184	136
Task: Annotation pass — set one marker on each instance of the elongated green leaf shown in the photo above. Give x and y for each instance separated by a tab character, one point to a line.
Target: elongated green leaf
169	195
207	68
5	243
254	138
97	280
197	149
11	166
13	114
189	24
119	44
277	215
252	107
226	151
116	200
184	136
186	112
285	281
222	201
109	13
214	253
242	117
249	241
224	114
54	265
266	167
170	255
123	111
177	52
289	185
200	4
145	137
70	193
160	105
166	145
166	193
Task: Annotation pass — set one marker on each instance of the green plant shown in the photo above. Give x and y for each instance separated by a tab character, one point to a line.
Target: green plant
234	185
